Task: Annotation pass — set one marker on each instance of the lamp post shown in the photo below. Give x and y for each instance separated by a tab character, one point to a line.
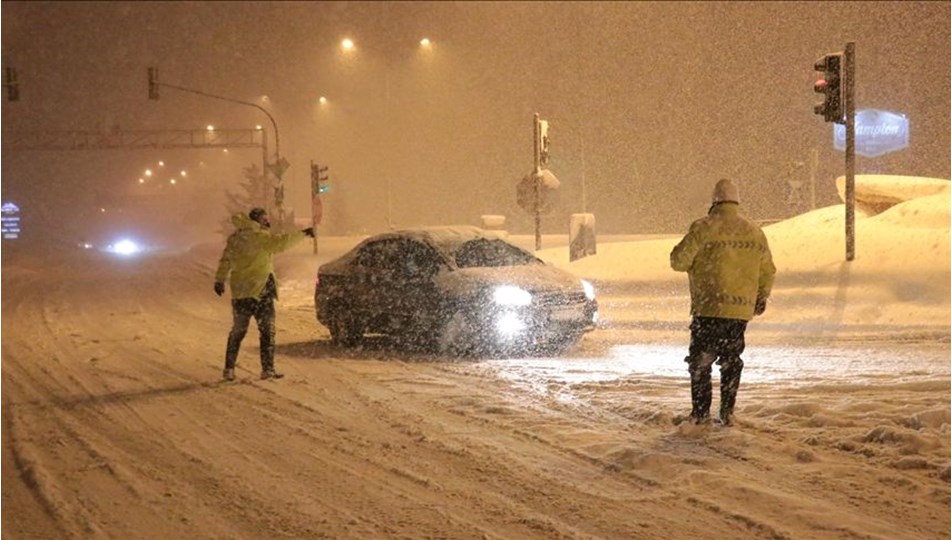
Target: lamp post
348	46
279	164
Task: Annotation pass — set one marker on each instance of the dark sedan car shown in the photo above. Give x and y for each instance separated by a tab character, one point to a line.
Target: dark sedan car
459	289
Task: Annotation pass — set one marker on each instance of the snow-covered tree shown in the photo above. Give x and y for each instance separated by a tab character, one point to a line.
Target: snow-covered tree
257	190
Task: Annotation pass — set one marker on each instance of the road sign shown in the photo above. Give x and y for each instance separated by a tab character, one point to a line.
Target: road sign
877	133
277	168
548	192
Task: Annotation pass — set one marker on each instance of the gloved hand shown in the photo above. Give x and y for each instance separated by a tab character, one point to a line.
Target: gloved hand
760	307
308	231
219	288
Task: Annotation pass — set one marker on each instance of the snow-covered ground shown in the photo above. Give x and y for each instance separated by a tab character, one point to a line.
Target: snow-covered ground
115	424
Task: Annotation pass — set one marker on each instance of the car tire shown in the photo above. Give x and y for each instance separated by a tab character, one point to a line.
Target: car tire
346	332
564	343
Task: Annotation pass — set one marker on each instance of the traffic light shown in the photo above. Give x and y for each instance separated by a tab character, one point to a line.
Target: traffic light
543	142
317	177
13	87
830	85
153	83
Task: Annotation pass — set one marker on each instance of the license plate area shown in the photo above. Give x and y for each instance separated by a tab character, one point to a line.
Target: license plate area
567	313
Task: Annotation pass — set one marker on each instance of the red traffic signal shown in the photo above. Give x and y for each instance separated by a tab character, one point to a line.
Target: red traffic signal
831	108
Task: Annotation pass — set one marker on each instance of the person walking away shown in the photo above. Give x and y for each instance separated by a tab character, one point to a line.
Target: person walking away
246	263
730	273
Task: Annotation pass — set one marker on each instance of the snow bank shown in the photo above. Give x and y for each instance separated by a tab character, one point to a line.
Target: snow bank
901	272
877	192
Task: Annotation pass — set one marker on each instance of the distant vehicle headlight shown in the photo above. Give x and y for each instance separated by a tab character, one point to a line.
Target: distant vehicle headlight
510	295
125	247
589	290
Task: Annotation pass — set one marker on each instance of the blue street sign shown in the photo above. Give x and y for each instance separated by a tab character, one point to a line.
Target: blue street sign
877	133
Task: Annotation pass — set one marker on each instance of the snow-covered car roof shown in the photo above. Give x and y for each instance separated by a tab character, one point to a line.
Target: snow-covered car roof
448	239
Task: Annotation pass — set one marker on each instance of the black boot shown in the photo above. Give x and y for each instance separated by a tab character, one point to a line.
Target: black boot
731	369
700	369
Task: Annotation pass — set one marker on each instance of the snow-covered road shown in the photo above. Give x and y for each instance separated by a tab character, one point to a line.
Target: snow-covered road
115	425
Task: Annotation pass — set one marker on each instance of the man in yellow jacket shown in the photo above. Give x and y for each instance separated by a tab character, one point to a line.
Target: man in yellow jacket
731	273
247	261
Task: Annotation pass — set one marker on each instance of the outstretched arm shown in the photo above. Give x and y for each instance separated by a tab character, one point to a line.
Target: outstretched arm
683	254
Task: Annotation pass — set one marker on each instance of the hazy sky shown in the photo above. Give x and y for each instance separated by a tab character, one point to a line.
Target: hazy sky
649	103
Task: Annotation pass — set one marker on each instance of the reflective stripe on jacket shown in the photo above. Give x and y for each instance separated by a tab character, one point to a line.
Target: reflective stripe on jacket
728	263
247	256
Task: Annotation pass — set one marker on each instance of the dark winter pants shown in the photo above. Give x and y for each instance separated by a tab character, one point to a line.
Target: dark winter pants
243	309
721	340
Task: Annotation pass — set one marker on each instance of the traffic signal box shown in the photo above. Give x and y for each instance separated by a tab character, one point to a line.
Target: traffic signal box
830	85
12	84
153	83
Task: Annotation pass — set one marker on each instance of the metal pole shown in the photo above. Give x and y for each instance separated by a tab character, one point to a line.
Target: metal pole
814	163
264	152
537	171
386	89
315	186
581	136
274	125
850	69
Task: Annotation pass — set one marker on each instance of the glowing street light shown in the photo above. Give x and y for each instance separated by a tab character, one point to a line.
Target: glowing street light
280	163
142	180
148	172
161	164
182	173
172	181
347	47
322	100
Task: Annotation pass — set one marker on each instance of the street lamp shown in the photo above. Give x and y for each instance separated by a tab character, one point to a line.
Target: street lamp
348	46
279	165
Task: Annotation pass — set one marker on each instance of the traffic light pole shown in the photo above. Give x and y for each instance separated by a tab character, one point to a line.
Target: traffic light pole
536	145
849	94
154	84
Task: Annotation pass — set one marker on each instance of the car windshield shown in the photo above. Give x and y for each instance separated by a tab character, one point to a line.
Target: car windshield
484	252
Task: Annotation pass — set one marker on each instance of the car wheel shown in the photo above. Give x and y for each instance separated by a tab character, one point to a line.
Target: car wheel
563	343
456	338
346	332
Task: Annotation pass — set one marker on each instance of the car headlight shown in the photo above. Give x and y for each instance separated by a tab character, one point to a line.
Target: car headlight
510	325
589	290
510	295
124	247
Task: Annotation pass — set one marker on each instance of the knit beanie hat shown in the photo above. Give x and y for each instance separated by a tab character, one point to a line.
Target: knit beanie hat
256	213
725	191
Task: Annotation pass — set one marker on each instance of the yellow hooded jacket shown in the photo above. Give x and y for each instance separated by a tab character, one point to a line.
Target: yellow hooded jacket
728	262
247	256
